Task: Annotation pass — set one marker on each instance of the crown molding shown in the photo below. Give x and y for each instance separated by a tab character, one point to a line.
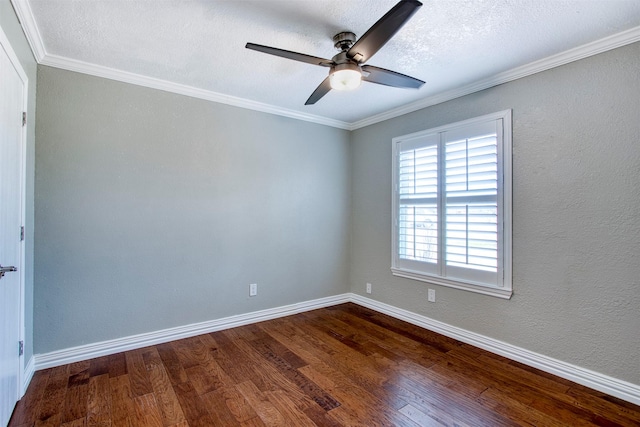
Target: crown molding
608	43
27	20
181	89
31	31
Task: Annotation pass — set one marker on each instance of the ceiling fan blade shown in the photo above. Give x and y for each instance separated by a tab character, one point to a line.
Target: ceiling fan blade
314	60
320	91
389	78
382	31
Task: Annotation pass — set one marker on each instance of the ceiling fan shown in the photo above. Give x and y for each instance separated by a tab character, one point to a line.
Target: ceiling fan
347	68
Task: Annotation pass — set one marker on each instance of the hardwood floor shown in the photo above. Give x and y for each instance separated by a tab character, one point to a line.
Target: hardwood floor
339	366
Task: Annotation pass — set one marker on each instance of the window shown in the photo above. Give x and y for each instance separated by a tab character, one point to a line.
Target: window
452	205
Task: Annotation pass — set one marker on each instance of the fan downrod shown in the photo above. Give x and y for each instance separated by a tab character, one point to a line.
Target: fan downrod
344	40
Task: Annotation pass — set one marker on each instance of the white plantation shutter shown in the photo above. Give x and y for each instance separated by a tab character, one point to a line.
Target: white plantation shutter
418	188
449	220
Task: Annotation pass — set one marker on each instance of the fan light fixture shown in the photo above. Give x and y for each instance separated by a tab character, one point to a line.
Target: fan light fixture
345	77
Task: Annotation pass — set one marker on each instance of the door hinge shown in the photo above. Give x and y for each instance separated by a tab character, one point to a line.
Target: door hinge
20	348
22	233
24	118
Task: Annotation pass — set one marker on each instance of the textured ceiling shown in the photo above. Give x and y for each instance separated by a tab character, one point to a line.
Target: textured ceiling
200	43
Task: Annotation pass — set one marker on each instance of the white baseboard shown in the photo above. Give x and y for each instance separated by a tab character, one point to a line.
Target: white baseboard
597	381
104	348
27	374
613	386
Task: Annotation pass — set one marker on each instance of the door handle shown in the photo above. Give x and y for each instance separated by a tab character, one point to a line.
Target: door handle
6	270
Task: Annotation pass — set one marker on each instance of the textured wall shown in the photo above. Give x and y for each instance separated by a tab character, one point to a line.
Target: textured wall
576	223
155	210
13	31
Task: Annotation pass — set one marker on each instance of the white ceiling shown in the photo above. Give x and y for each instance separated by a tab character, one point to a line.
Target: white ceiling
196	47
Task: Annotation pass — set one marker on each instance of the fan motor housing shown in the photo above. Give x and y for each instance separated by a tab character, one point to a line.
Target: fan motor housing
342	59
343	41
346	66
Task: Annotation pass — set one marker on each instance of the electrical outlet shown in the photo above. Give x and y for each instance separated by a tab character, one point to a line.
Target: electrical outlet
368	288
431	295
253	289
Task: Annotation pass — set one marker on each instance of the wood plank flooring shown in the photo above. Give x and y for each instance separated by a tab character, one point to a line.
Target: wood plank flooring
340	366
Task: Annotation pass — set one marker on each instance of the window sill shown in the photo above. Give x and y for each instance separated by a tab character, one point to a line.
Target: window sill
465	286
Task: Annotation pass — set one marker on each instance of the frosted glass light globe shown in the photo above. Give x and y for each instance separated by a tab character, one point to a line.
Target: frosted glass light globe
345	79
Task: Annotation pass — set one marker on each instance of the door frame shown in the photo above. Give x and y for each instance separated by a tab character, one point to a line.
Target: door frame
23	377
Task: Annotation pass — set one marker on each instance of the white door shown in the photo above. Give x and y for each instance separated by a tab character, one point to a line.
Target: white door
12	90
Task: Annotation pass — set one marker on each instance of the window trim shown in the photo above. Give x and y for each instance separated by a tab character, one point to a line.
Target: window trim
504	195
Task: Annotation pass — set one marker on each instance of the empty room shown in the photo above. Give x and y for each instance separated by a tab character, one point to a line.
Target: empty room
320	213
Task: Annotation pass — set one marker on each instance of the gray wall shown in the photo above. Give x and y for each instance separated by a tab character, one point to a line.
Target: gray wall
156	210
576	207
13	31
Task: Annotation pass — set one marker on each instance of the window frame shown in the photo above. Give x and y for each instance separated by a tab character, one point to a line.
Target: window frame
504	288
